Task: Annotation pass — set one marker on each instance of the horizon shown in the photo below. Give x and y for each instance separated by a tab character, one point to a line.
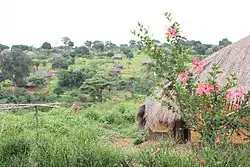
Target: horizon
33	23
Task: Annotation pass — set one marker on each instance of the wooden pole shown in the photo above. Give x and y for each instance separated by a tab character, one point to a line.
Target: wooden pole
37	133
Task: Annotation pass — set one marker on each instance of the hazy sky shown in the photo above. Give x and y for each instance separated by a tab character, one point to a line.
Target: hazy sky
33	22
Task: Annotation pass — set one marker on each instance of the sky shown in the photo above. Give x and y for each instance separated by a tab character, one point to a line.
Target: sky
33	22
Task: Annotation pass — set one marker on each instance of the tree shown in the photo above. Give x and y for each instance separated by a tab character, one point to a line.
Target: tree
132	43
62	62
2	47
80	51
71	44
37	64
20	47
71	79
139	45
88	44
65	41
46	45
225	42
98	46
109	46
94	87
15	65
129	63
110	54
44	63
130	55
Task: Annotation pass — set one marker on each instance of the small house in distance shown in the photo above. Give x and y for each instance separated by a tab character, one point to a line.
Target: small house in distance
115	70
117	57
45	74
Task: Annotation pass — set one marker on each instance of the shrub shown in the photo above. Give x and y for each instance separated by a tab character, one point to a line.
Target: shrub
37	80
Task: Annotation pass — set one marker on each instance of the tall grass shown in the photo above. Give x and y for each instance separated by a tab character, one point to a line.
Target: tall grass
82	140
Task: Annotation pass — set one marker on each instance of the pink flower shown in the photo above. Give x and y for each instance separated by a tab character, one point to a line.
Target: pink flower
183	76
171	32
218	139
229	95
198	65
220	86
239	92
184	38
236	106
205	88
152	48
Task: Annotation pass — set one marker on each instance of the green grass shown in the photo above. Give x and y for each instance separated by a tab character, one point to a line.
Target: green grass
87	139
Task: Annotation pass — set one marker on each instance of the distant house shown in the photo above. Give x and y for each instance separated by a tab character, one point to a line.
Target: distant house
115	70
45	74
117	57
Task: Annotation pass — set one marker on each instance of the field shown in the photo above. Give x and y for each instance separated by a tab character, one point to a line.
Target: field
103	135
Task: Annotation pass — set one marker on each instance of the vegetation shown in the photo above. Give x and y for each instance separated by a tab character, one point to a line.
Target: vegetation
95	124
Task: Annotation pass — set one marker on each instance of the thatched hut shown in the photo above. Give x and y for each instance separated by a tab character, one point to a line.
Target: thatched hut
115	70
234	58
117	57
161	120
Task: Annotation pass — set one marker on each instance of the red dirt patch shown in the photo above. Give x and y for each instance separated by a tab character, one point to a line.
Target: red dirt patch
146	144
123	142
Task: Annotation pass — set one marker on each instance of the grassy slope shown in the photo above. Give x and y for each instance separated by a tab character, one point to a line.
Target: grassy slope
68	139
88	139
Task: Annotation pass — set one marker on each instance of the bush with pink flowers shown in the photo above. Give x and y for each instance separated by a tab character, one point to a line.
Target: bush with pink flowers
213	110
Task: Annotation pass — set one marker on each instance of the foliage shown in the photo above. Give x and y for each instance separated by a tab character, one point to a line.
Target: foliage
15	65
37	80
204	106
71	44
98	46
65	41
71	79
225	42
19	95
20	47
36	63
109	46
88	44
80	51
62	62
46	45
94	87
2	47
110	54
67	140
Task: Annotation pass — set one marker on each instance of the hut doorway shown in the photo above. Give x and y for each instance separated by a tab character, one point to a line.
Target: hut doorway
181	133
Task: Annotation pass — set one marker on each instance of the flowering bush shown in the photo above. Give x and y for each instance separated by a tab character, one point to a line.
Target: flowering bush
215	111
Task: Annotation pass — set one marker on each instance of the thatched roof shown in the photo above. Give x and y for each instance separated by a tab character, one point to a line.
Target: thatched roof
117	56
234	58
44	74
158	118
115	70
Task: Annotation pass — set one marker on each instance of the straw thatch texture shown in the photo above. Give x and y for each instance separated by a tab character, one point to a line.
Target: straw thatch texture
156	117
234	58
